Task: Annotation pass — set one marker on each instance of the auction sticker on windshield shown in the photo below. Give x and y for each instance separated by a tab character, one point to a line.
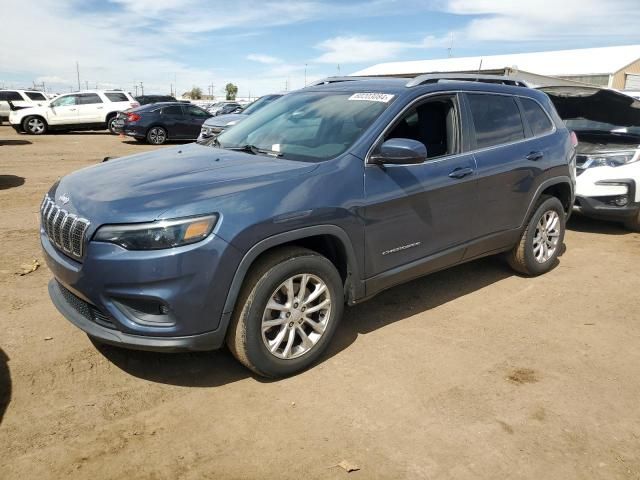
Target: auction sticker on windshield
372	97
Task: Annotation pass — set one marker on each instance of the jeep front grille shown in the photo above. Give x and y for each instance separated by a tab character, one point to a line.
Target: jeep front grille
65	230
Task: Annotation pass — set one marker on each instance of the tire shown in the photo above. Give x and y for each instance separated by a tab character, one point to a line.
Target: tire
281	350
633	223
156	135
34	125
110	121
542	239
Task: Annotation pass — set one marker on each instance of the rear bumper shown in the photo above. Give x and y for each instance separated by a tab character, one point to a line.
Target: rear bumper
204	341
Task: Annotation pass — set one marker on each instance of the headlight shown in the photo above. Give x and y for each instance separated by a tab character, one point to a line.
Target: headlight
614	159
157	235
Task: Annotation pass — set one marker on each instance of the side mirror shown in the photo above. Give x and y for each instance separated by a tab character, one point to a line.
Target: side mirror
400	151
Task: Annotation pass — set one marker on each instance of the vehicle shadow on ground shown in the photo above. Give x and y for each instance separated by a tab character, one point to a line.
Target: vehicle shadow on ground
81	132
579	223
168	142
211	369
10	181
4	143
5	384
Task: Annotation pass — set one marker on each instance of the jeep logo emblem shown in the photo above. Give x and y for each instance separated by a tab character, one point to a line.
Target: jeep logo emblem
64	198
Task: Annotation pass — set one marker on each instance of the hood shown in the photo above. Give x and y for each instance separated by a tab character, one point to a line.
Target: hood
142	187
595	104
223	120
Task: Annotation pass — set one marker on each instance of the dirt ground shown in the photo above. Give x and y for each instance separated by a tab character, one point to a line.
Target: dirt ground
469	373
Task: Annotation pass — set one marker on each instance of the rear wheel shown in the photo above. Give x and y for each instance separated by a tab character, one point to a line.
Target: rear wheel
157	135
287	312
633	223
34	125
110	126
542	239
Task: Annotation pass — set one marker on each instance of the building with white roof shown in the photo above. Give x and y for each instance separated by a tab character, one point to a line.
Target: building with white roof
613	67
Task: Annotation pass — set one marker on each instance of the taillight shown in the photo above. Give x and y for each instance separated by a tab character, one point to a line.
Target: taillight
133	117
574	139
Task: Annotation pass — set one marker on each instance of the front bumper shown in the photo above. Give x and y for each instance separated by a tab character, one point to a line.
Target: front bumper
204	341
110	294
600	206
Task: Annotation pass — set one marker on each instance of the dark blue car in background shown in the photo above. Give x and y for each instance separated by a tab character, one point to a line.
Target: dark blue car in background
327	196
157	123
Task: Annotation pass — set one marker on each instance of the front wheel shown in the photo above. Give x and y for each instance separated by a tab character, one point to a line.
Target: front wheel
34	125
157	135
287	312
539	246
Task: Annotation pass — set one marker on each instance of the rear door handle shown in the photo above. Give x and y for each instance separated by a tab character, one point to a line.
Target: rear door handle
534	156
461	172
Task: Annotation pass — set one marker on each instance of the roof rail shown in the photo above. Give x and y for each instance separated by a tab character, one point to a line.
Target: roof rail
465	77
328	80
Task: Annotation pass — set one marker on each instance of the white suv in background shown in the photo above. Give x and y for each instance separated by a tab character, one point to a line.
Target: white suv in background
19	99
85	110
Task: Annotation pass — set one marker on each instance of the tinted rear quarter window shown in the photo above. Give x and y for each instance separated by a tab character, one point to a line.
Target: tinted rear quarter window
537	119
496	119
13	96
35	96
116	97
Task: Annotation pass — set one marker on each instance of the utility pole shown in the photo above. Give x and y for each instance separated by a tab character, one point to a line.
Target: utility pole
86	84
78	73
135	86
305	74
450	49
141	89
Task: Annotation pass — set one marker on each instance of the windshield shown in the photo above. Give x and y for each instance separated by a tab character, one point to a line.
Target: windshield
261	102
309	126
584	125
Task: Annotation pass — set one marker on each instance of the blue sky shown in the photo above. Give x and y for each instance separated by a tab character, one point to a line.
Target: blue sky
264	45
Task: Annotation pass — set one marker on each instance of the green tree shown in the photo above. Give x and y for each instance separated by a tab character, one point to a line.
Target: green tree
231	90
195	93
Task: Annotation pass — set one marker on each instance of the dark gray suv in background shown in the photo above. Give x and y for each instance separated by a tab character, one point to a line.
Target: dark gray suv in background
328	196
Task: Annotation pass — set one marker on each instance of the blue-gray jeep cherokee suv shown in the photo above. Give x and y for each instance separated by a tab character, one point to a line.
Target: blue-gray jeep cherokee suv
325	197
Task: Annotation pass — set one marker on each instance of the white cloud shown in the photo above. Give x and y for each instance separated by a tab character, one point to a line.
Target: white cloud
546	20
356	49
267	59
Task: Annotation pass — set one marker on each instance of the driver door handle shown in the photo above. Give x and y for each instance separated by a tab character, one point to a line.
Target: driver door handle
461	172
534	156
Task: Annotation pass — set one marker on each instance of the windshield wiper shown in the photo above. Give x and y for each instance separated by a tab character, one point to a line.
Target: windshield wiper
248	148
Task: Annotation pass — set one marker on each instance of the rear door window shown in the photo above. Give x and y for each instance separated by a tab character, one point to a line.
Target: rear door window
538	121
89	99
496	119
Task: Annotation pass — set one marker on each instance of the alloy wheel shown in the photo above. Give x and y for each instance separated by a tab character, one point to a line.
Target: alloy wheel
35	125
157	136
547	235
296	316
